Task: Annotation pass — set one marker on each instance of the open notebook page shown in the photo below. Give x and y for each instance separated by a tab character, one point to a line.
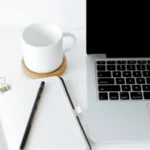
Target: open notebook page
55	125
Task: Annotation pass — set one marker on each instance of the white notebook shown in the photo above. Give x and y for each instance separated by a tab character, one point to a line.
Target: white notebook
55	127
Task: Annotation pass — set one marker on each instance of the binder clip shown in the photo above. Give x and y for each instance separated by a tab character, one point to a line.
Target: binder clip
4	87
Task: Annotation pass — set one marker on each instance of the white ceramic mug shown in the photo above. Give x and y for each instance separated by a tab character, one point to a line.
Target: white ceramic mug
42	47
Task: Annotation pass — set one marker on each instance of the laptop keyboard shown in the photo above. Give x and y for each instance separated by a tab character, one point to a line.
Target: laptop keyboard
123	80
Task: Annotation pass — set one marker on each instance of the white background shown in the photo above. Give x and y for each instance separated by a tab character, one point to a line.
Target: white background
66	13
17	13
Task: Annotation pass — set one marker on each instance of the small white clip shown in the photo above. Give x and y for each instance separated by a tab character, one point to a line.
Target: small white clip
78	111
4	87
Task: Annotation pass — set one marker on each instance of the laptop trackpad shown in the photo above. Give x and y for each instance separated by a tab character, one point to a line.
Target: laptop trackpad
121	122
148	106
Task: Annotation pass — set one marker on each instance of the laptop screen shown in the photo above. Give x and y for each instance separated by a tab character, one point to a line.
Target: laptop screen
118	28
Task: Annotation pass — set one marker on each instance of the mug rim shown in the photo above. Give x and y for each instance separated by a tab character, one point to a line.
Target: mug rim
41	24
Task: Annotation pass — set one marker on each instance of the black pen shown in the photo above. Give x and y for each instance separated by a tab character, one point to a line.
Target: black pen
29	124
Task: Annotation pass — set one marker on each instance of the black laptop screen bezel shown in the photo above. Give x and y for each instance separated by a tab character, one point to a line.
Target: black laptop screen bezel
93	44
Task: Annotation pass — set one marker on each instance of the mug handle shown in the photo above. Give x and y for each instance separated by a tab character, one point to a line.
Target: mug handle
68	34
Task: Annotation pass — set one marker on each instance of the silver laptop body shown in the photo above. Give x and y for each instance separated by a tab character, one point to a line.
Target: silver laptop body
118	71
116	120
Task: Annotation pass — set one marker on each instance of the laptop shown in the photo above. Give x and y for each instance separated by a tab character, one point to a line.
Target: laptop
118	71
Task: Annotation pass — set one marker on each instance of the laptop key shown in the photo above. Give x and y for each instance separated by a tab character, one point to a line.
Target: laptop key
105	81
146	95
104	74
124	96
121	62
113	96
120	80
111	67
148	61
130	81
131	67
146	87
126	88
111	62
103	96
140	81
121	67
137	74
126	74
146	73
148	67
131	62
136	95
100	62
101	67
148	80
109	88
140	67
136	87
116	74
141	62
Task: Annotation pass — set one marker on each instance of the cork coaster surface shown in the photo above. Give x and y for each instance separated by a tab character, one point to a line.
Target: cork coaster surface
35	75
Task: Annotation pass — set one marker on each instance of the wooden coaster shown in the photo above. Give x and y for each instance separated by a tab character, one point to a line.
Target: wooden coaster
35	75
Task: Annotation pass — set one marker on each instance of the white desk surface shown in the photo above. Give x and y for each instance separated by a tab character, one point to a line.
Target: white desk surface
75	75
